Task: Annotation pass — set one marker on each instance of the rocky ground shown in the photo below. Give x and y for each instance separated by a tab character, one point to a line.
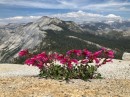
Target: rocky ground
16	83
35	87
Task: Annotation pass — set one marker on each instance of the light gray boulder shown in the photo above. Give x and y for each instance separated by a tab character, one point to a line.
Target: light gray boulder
126	56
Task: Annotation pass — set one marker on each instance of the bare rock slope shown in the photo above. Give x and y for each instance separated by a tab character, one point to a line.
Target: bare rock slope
29	36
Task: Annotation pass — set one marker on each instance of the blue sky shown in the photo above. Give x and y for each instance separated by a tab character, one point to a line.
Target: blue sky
20	10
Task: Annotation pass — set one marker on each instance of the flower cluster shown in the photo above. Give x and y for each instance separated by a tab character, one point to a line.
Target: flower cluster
23	53
74	61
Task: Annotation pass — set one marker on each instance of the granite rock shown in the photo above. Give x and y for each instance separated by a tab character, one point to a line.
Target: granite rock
126	56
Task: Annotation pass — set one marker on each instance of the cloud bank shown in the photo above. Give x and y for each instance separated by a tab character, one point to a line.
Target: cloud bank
82	16
93	10
115	5
79	16
19	19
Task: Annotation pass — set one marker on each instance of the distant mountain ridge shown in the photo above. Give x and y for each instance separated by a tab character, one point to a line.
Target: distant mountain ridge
106	28
53	34
14	37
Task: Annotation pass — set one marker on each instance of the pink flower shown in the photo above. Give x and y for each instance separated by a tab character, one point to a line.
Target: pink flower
104	62
74	60
40	65
103	48
110	54
23	53
53	56
60	57
84	61
41	56
92	57
96	60
64	61
77	52
95	55
108	60
41	60
86	52
98	53
69	52
45	59
70	66
31	61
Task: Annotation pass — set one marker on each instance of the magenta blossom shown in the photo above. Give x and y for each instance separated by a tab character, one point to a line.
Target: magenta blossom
30	61
106	60
64	61
41	60
77	52
98	53
86	52
23	53
94	56
69	52
69	62
110	54
84	61
74	61
41	56
60	57
40	65
69	65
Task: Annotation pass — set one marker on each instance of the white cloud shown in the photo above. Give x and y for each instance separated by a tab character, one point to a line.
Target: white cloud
113	16
19	19
69	5
110	5
81	16
124	9
39	4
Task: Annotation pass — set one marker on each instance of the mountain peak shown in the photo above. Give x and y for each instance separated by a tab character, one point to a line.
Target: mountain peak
45	20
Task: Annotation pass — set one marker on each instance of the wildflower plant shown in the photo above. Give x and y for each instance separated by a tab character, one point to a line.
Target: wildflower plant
75	64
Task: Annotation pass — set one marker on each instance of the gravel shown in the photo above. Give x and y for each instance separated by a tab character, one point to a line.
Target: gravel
35	87
118	69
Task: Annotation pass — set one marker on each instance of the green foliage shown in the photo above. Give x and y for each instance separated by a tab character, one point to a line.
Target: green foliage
19	60
60	42
58	72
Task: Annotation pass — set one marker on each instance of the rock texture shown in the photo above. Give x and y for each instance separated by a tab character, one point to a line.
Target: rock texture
126	56
11	70
53	34
35	87
14	37
117	69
